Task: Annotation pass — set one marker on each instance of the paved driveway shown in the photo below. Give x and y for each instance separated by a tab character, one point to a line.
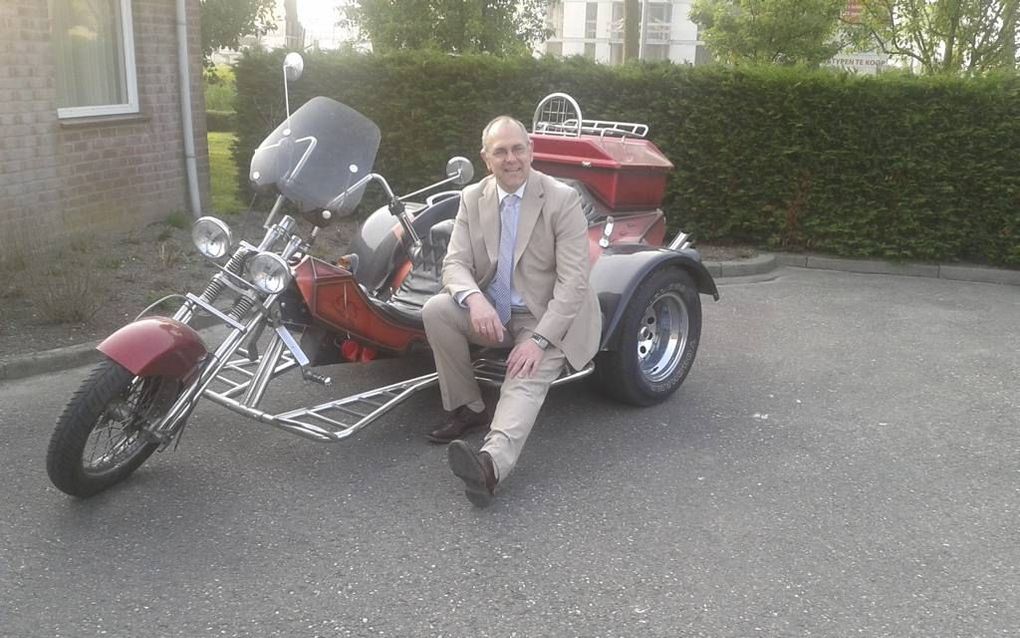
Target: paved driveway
843	460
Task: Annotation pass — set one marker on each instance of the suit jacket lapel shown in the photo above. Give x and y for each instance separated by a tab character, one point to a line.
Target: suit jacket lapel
531	206
488	213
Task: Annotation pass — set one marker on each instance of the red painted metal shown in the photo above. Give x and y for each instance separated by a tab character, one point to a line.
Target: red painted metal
155	346
633	228
624	173
335	299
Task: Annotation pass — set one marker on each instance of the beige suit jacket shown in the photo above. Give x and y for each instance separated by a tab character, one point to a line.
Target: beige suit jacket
551	264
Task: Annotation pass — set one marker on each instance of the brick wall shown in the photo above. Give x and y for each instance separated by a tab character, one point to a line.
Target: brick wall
65	178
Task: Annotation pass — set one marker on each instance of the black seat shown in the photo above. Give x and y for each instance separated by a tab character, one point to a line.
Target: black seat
425	278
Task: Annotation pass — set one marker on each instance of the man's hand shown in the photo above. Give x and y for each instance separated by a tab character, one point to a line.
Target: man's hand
484	319
524	359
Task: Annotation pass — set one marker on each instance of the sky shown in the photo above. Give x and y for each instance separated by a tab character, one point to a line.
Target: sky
317	13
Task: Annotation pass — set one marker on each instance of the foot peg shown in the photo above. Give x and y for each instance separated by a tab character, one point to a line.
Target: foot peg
308	375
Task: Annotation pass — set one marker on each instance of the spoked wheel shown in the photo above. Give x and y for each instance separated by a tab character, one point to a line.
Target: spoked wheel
657	340
99	439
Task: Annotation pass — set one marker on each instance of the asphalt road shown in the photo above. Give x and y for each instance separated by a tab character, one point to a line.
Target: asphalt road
844	460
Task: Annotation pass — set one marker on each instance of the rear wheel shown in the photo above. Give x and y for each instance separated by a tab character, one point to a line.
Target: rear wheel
99	439
657	340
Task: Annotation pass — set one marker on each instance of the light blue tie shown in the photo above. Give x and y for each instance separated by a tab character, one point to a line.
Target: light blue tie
499	288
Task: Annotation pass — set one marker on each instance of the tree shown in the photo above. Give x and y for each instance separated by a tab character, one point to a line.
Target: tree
769	31
226	22
942	36
500	27
631	29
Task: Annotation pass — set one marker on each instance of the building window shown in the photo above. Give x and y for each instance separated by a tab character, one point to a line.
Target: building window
616	53
660	21
95	57
555	21
656	51
591	18
589	50
616	22
659	25
702	55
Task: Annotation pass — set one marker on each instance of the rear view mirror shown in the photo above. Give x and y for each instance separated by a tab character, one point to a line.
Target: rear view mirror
293	65
460	170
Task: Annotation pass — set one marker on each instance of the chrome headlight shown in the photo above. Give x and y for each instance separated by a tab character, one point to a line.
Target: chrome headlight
211	237
269	273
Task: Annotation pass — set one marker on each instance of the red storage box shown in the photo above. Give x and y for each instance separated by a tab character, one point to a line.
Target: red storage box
625	173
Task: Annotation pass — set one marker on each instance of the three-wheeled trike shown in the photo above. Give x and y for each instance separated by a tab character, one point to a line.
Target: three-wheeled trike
285	309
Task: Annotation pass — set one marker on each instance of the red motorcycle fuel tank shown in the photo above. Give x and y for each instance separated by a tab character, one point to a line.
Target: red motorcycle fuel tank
155	346
334	298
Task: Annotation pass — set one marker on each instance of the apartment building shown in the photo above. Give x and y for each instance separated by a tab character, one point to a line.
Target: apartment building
595	30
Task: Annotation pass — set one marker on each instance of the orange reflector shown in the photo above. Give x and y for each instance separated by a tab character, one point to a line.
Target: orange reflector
350	349
368	353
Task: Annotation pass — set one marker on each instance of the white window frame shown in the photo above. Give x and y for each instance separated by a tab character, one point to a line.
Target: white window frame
127	33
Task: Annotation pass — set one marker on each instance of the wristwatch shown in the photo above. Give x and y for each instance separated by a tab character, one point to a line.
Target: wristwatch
539	340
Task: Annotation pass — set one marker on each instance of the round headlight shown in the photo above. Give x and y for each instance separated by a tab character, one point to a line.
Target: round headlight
211	237
269	272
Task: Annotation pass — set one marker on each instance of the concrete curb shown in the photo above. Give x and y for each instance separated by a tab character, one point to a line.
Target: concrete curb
763	263
977	274
27	365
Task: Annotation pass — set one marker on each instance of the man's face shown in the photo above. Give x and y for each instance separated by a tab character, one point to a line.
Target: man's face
507	154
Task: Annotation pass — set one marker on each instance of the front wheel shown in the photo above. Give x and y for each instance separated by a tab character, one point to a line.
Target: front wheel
100	438
657	340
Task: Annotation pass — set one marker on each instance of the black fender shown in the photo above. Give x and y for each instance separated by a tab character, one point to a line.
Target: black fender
621	269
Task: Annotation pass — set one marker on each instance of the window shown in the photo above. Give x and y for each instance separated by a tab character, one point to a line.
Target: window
616	53
659	25
95	57
660	18
656	51
591	19
589	50
555	20
616	22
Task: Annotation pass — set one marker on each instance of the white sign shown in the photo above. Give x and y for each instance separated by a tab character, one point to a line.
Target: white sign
863	63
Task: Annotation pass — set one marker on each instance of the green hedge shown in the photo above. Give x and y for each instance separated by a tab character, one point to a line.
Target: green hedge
221	121
894	167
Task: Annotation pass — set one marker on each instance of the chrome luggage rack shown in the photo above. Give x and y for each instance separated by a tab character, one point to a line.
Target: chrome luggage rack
559	114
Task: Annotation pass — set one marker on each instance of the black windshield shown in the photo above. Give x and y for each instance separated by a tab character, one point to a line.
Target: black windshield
318	153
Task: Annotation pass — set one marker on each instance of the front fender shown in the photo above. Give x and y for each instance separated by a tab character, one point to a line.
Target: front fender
155	346
621	269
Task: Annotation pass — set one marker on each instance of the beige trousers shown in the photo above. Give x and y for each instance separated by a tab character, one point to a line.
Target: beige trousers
448	327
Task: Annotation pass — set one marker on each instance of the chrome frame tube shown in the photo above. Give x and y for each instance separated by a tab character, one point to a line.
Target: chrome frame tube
264	373
680	242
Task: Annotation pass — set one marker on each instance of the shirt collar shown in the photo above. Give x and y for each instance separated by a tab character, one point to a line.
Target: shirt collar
519	192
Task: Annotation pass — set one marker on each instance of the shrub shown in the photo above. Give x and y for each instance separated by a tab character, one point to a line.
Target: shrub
220	121
895	167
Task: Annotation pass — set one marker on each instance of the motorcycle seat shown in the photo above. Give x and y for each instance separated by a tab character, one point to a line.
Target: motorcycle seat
425	278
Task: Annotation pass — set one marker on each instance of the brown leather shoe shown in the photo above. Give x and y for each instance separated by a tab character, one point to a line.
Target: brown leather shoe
476	470
462	420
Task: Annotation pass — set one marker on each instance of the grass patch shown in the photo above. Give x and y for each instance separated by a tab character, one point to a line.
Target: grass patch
223	174
220	90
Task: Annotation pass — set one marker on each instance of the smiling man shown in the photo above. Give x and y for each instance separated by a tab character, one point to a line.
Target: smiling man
516	276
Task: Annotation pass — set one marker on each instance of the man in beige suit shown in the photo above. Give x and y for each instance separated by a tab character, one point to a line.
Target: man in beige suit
515	275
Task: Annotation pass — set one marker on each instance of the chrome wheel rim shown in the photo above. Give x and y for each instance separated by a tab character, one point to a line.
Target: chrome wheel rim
662	336
117	435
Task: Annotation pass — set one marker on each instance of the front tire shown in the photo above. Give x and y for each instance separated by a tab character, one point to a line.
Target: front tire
657	340
99	439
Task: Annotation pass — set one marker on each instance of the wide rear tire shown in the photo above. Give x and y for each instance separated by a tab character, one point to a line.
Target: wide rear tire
656	342
99	438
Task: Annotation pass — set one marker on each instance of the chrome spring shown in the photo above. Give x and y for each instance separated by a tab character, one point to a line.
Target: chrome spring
241	307
216	285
